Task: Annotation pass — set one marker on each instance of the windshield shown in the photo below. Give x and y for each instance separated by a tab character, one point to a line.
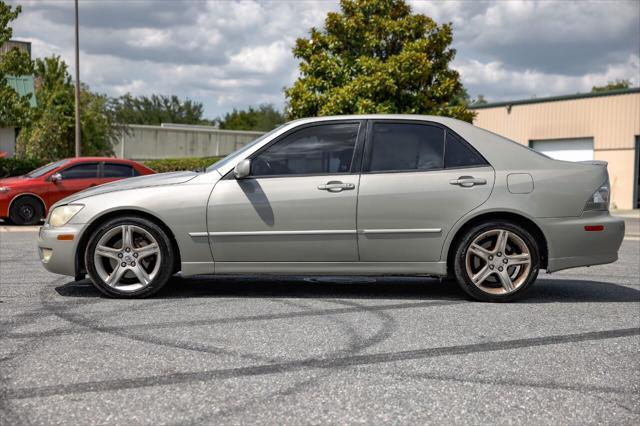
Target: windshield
45	169
239	152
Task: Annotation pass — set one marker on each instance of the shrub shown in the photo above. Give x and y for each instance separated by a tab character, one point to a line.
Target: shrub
18	166
179	164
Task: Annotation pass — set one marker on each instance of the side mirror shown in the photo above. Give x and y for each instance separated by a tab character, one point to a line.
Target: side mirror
56	177
243	169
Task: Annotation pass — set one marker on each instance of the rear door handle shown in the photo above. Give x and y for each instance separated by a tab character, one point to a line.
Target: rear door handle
336	186
468	181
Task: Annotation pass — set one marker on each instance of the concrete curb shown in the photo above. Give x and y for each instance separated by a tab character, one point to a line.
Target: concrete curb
19	228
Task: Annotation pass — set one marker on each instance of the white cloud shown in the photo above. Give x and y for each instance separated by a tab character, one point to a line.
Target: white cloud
148	37
237	53
497	82
261	59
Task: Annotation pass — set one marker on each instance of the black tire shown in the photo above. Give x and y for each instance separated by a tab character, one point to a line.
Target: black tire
26	210
484	293
166	266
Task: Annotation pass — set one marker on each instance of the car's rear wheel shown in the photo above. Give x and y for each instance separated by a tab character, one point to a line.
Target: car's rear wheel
129	257
496	262
26	210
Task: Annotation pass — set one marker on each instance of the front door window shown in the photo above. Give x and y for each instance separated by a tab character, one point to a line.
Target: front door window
325	149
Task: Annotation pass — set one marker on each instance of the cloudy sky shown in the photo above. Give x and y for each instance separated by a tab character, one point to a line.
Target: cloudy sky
229	54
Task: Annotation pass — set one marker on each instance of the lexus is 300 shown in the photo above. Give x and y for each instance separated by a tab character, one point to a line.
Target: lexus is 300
365	195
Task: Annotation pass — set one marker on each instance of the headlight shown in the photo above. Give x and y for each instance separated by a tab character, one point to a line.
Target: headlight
63	214
600	199
4	189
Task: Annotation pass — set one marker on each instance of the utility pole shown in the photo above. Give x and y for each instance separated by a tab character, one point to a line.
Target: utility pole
78	149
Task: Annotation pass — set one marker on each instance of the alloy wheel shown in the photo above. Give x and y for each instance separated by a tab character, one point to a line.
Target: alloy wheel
498	261
127	258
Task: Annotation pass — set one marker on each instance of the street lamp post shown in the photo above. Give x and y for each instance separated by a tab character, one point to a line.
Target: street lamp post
78	149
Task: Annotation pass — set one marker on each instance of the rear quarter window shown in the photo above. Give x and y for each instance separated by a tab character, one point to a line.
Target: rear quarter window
459	154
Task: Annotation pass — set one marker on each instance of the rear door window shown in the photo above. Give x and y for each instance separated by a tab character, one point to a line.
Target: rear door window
406	147
118	170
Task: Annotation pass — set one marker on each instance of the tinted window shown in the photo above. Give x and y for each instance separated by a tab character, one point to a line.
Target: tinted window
324	149
112	170
459	154
81	171
406	147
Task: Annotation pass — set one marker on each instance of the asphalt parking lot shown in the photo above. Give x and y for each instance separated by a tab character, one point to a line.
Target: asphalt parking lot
247	350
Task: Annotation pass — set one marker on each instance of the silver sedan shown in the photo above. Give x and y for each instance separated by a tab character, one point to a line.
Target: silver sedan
365	195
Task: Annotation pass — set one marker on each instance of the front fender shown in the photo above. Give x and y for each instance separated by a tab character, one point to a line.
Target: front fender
181	208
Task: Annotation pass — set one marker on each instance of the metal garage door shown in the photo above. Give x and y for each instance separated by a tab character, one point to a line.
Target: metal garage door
566	149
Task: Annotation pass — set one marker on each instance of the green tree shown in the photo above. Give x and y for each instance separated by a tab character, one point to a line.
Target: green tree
612	85
14	109
263	118
50	133
376	56
480	100
157	109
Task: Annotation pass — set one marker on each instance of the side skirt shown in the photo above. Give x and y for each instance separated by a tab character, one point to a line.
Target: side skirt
332	268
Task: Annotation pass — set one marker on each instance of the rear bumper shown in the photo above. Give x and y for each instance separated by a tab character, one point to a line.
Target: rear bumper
56	255
570	245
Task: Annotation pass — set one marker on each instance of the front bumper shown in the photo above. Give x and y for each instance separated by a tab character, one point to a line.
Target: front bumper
570	245
56	248
4	205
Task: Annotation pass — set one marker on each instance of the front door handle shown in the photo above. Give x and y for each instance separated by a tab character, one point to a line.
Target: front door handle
468	181
335	186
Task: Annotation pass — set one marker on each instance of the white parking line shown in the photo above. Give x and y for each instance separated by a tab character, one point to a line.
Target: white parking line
19	228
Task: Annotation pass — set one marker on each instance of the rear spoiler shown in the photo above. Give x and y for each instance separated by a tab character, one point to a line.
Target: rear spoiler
595	163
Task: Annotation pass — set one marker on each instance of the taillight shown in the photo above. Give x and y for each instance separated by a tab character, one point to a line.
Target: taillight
600	199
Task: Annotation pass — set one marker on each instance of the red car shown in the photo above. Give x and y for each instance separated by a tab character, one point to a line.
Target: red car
25	200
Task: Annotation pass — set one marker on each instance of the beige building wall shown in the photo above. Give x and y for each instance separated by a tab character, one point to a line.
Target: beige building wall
612	121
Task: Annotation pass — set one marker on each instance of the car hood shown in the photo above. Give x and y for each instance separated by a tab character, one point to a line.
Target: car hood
146	181
12	181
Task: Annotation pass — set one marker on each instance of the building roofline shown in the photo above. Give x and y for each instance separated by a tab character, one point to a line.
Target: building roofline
615	92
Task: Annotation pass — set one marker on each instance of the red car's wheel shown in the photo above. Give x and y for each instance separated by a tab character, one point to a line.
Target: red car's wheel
26	210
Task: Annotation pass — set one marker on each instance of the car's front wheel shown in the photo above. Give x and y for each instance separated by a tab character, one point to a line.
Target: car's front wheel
26	210
496	262
129	257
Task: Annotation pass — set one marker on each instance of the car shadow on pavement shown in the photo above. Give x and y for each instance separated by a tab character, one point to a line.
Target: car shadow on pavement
394	288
